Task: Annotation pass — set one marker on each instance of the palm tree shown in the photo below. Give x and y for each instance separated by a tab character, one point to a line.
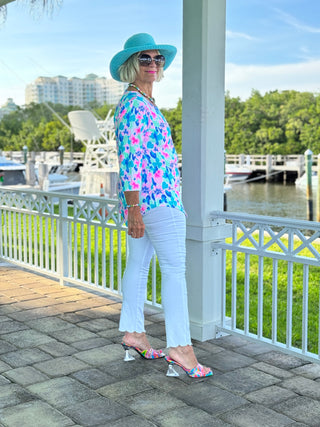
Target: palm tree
4	2
44	4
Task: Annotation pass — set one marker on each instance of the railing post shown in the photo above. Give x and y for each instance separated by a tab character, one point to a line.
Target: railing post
268	166
31	177
62	241
301	167
61	154
25	154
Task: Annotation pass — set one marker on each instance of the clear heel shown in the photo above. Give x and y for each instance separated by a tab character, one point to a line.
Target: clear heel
128	357
150	354
171	372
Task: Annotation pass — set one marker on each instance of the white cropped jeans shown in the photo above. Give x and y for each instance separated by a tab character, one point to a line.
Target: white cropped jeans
165	233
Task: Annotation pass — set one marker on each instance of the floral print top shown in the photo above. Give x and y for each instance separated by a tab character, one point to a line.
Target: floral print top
147	158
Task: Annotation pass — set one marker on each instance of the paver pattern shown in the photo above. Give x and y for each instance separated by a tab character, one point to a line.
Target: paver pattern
61	364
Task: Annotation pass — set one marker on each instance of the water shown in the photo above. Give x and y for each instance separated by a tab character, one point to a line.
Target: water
272	199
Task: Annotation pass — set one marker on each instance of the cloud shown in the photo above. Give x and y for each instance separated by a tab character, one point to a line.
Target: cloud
303	76
294	22
236	35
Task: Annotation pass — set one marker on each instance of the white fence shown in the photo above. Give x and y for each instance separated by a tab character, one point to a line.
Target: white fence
80	240
271	266
271	281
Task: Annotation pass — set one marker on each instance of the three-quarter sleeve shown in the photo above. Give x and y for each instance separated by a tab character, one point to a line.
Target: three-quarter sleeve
132	129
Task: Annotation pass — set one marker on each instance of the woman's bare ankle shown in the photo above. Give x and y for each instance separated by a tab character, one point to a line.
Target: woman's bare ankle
136	339
184	355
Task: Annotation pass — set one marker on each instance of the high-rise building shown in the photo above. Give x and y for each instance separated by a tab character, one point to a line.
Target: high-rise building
74	91
7	108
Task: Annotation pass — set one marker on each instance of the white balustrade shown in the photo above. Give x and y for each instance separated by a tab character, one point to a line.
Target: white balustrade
79	240
270	266
275	269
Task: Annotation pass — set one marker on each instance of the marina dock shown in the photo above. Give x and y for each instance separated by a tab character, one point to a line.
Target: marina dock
273	167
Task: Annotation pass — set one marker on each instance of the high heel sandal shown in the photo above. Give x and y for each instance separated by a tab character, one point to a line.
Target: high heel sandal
196	372
146	354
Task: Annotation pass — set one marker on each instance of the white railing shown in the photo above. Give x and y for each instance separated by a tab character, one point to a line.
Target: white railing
270	266
79	240
293	162
271	277
44	156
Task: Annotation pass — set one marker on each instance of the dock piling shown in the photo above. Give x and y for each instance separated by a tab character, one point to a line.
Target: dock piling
318	191
308	157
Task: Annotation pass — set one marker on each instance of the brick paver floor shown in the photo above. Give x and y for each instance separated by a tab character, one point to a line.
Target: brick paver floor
61	364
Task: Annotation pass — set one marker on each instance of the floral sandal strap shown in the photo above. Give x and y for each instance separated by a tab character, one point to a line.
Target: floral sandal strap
151	353
199	371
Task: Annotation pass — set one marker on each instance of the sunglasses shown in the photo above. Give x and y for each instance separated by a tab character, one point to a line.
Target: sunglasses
145	60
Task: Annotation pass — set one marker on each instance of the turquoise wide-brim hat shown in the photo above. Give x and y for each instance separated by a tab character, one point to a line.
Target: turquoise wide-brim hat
138	43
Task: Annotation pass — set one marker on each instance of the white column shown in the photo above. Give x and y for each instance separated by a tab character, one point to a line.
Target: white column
203	157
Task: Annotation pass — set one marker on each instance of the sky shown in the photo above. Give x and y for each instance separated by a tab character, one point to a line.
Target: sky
270	44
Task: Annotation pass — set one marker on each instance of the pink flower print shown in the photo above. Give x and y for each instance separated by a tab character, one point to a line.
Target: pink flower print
121	157
158	176
135	186
134	140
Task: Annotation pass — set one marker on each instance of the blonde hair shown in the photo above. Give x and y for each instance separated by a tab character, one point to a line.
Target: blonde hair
130	68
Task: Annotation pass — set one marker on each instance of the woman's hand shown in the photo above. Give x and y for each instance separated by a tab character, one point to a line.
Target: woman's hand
135	222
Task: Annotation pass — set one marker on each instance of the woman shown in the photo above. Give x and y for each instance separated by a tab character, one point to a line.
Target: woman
151	204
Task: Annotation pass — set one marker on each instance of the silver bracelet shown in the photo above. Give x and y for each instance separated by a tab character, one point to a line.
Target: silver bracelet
133	206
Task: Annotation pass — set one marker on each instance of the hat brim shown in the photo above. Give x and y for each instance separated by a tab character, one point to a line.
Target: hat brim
168	51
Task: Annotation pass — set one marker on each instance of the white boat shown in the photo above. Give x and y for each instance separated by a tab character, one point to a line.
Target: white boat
12	174
62	184
236	172
302	181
